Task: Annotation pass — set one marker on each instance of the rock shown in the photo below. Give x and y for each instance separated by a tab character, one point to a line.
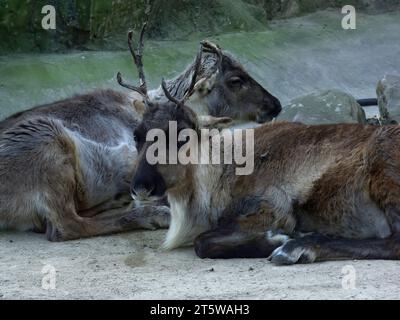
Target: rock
325	107
375	121
388	92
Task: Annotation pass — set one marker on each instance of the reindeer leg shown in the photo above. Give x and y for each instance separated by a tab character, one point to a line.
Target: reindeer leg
228	244
316	247
110	205
244	233
69	225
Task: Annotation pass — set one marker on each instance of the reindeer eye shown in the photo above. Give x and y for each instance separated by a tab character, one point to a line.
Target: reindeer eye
235	82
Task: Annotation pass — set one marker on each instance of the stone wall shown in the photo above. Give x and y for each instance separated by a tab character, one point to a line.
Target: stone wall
101	24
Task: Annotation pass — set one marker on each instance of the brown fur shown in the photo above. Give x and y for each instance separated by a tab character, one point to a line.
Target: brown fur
339	182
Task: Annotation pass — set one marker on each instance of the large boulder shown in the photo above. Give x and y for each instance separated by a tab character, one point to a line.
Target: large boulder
388	92
325	107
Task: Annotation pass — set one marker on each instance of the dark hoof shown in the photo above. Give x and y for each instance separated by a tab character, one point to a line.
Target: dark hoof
52	233
163	217
289	254
201	248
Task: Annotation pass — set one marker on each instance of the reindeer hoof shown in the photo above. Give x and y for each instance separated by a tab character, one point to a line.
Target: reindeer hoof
52	233
159	218
154	218
290	253
163	218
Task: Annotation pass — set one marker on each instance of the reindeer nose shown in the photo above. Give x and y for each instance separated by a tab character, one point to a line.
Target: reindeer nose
145	188
275	106
137	189
148	180
270	110
278	106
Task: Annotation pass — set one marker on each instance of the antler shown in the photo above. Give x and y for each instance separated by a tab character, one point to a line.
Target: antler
168	94
212	48
190	89
137	55
196	69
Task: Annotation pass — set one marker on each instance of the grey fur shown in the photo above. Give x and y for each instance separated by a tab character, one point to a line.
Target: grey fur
65	167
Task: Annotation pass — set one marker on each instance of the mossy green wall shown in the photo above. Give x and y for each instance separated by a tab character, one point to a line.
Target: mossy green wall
102	24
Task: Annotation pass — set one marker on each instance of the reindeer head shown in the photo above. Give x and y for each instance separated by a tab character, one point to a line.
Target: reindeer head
152	180
223	87
231	92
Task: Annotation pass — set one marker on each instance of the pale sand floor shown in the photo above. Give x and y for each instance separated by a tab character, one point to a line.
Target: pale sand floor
130	266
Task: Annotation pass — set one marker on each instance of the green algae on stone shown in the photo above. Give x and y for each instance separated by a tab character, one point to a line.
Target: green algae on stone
102	24
328	107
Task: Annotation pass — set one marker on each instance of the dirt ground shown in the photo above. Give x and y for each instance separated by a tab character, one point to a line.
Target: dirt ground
130	266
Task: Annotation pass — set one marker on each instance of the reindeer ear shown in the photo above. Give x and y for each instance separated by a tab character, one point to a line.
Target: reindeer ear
204	86
210	122
140	106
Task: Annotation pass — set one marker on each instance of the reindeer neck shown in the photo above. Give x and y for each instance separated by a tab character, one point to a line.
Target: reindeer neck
195	206
198	105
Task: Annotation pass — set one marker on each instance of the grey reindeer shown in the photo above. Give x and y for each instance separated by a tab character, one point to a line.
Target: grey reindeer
223	88
65	167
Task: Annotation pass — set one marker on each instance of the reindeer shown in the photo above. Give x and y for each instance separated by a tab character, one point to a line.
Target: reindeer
317	193
66	167
224	89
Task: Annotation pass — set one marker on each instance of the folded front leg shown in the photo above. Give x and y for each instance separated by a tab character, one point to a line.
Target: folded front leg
68	225
316	247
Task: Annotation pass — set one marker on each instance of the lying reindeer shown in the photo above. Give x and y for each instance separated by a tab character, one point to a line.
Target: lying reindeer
223	89
65	168
317	192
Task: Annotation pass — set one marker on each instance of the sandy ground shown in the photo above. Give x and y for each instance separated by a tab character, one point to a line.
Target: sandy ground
130	266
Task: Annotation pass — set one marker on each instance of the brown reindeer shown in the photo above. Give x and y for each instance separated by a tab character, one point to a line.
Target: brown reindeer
316	193
65	167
